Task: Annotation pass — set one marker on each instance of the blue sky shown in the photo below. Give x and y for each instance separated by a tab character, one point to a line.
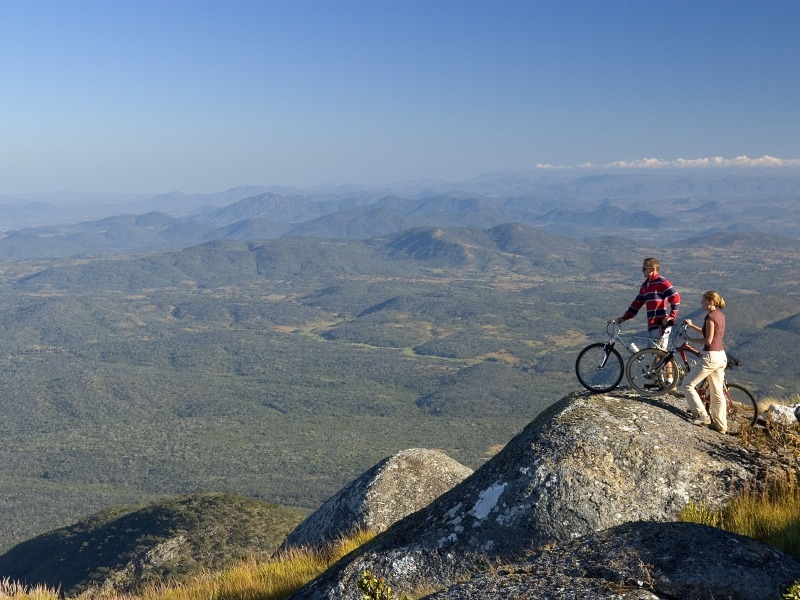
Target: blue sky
200	96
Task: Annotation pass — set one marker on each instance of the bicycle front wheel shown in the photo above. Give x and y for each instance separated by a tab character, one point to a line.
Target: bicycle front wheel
650	374
742	404
599	369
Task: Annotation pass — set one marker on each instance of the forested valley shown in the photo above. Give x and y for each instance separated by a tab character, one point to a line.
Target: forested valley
281	369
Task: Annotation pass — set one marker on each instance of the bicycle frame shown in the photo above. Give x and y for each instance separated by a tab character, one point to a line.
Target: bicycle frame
686	348
683	350
615	335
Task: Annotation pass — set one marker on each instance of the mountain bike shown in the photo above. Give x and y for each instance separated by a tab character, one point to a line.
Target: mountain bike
600	366
654	372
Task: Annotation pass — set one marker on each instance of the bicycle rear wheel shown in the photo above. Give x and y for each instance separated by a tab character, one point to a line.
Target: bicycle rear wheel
742	403
599	369
649	374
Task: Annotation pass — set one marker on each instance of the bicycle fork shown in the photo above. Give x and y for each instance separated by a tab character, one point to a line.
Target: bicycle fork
606	353
659	365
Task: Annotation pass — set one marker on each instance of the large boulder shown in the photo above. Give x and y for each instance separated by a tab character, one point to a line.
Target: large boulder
588	463
394	488
638	561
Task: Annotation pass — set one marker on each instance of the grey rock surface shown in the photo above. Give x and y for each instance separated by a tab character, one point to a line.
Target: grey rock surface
588	463
394	488
642	560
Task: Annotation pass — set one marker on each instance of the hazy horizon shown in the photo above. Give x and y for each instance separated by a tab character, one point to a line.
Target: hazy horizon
152	97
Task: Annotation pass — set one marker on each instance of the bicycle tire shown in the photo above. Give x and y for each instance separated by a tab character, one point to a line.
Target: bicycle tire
743	404
596	372
649	382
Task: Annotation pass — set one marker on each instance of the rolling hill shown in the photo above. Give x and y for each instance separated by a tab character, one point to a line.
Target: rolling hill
165	541
279	369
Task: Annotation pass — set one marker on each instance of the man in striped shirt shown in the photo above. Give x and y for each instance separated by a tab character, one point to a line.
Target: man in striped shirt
660	299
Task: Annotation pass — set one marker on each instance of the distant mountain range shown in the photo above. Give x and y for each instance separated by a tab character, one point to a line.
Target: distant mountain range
654	208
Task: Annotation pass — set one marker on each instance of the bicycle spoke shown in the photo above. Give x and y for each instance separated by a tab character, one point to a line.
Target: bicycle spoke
649	374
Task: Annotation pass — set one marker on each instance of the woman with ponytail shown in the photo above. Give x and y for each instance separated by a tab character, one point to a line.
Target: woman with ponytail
712	366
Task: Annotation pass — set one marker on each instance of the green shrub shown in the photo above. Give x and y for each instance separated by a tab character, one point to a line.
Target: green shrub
793	593
376	588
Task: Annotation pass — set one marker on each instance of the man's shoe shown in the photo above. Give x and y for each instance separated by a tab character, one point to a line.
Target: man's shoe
716	427
699	421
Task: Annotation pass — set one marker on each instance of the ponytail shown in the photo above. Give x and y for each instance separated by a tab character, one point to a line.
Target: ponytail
714	298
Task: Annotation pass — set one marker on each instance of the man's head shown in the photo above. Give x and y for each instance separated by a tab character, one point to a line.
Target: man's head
650	267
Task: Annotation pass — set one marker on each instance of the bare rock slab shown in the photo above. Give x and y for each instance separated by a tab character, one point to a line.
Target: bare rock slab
394	488
640	561
588	463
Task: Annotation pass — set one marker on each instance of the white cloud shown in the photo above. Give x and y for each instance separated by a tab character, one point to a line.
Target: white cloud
716	161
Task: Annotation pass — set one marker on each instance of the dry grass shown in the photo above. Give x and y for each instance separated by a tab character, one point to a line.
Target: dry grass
775	439
770	514
769	508
12	589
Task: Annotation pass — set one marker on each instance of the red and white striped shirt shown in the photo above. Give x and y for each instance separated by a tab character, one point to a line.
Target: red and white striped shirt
660	300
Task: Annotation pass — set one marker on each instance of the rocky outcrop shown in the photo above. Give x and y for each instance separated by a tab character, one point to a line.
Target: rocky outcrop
123	549
394	488
638	561
587	464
